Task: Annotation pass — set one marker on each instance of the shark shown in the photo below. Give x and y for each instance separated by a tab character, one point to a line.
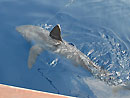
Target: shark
53	42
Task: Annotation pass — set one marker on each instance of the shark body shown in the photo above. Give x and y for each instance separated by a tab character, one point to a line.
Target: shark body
52	41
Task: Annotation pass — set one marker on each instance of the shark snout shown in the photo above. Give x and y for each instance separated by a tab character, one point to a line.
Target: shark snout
20	29
25	31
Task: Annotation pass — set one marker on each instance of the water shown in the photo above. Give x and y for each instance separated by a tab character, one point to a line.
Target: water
99	28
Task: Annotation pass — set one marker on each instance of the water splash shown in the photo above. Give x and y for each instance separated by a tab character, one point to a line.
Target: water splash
112	55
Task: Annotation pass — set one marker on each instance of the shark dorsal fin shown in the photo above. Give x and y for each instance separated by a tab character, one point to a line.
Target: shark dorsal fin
56	33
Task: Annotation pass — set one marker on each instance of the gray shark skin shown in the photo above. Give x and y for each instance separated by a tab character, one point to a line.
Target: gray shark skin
52	41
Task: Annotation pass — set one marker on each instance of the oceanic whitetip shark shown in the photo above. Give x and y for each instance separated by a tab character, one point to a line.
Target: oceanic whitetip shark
52	41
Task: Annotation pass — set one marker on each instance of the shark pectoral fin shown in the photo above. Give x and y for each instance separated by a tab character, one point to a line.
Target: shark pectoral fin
33	53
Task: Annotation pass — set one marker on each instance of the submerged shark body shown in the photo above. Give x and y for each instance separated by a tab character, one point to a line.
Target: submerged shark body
52	41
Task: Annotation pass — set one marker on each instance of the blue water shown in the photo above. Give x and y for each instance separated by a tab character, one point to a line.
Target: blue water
99	28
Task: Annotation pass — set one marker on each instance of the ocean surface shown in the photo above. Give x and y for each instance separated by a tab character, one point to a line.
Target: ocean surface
99	28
